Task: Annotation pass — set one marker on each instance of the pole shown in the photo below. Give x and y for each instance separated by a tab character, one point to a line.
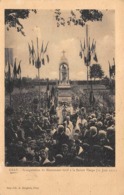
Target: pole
10	97
87	79
38	70
39	84
87	53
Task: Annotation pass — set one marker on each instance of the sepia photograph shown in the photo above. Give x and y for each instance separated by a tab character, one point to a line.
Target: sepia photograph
59	88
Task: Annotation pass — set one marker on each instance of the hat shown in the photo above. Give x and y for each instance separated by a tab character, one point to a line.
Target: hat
99	124
94	119
58	156
82	108
86	146
60	128
108	148
77	130
91	120
68	117
111	128
102	134
93	115
64	146
93	131
89	117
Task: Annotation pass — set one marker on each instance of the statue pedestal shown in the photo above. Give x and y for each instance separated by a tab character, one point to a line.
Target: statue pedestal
64	92
64	88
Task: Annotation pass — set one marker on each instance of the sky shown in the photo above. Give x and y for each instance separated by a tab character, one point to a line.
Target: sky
43	25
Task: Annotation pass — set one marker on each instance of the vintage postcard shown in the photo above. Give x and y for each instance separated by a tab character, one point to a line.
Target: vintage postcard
61	98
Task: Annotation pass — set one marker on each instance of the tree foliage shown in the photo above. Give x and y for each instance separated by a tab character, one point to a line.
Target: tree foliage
96	71
13	16
78	17
109	84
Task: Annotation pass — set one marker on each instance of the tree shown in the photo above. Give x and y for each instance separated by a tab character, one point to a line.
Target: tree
78	17
106	82
109	84
96	71
13	16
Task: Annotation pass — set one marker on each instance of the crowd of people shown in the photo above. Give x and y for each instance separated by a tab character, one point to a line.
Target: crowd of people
35	136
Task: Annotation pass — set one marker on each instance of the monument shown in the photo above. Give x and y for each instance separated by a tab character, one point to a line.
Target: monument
64	87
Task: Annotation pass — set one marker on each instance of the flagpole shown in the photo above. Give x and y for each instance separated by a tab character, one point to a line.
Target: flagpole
114	70
109	70
87	53
9	75
20	85
38	71
10	94
39	85
35	58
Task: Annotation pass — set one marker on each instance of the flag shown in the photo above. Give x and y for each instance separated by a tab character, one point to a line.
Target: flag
46	47
92	98
19	69
47	58
33	61
15	70
110	70
85	60
9	72
33	54
38	63
89	44
43	61
29	47
9	56
30	53
89	55
93	47
19	73
42	47
114	61
84	45
80	54
33	50
113	69
81	46
95	58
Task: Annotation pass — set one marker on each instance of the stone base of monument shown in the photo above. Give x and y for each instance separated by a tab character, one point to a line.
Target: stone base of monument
64	92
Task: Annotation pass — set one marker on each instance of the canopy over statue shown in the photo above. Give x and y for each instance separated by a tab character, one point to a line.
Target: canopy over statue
64	73
63	70
64	88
